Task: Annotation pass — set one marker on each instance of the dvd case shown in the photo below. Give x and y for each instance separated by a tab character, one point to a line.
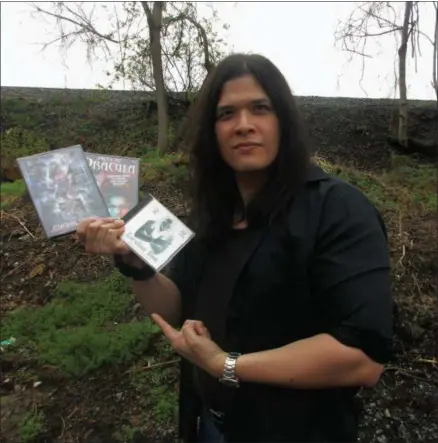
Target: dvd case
62	188
118	181
154	233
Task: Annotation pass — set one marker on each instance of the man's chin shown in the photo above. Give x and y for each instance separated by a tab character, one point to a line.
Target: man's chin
249	167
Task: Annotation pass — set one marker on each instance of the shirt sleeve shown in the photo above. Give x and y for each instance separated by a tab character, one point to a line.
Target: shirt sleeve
350	273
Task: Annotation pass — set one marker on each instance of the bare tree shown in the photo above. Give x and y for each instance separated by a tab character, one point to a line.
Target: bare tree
373	20
158	54
155	23
403	104
435	55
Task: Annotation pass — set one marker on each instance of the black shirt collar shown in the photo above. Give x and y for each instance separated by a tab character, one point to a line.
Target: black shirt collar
316	174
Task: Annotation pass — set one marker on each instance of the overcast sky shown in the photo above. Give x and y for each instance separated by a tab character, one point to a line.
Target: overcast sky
297	36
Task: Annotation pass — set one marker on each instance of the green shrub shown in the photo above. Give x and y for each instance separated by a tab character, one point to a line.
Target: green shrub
82	328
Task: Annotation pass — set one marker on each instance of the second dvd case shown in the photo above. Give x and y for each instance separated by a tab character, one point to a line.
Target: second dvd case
118	180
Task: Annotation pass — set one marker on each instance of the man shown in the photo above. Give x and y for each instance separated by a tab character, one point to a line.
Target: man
157	233
284	294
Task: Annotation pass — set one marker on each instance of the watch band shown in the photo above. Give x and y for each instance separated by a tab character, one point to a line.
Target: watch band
145	273
229	377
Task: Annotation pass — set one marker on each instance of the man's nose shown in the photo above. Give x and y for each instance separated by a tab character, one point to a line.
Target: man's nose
244	123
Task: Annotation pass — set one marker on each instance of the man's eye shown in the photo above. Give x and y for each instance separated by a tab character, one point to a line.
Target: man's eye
262	107
227	113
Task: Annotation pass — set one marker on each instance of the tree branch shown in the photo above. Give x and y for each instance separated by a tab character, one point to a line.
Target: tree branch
202	33
87	26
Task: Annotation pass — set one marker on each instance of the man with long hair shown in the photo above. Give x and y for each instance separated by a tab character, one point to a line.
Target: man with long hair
281	305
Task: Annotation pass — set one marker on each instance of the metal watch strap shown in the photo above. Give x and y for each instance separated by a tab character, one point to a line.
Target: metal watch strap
229	377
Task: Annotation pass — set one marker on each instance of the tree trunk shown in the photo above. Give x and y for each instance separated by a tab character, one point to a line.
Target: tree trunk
154	18
435	55
403	102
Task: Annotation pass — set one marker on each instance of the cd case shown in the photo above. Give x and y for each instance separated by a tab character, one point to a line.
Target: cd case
118	181
62	188
154	233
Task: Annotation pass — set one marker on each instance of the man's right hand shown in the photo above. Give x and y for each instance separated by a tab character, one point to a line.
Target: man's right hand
102	236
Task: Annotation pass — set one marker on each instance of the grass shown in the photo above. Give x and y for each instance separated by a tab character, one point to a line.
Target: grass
19	142
170	169
31	427
94	120
82	329
10	191
406	186
157	393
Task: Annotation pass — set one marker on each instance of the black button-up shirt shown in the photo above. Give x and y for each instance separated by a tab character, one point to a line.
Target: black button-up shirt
323	269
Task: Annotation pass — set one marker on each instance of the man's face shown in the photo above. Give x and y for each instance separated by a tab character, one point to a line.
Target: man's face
166	224
247	128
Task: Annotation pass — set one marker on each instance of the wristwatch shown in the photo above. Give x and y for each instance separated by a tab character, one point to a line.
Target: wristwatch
229	377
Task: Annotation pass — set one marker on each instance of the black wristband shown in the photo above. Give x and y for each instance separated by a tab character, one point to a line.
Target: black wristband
145	273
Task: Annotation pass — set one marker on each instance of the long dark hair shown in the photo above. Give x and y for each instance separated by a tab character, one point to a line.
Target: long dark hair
214	193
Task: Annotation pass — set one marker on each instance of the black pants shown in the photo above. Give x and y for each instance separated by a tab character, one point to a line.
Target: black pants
208	431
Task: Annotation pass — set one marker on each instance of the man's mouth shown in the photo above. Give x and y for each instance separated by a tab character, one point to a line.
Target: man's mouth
246	146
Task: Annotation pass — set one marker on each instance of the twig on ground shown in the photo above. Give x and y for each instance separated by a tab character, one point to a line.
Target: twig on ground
19	221
409	374
13	270
417	284
432	361
400	262
63	427
76	409
164	363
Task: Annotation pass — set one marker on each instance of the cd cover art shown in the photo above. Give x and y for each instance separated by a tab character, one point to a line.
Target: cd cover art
155	234
62	188
118	181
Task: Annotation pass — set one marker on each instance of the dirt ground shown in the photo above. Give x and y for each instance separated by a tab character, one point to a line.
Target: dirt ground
402	408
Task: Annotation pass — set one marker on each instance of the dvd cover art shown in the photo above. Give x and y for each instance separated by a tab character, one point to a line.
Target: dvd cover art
155	234
62	188
117	178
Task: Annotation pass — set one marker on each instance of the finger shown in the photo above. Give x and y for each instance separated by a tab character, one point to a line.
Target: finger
82	227
111	219
190	333
206	333
114	224
200	328
170	332
93	228
96	236
118	245
86	222
102	238
115	230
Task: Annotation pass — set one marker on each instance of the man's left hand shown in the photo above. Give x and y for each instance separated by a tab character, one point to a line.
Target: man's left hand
194	343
